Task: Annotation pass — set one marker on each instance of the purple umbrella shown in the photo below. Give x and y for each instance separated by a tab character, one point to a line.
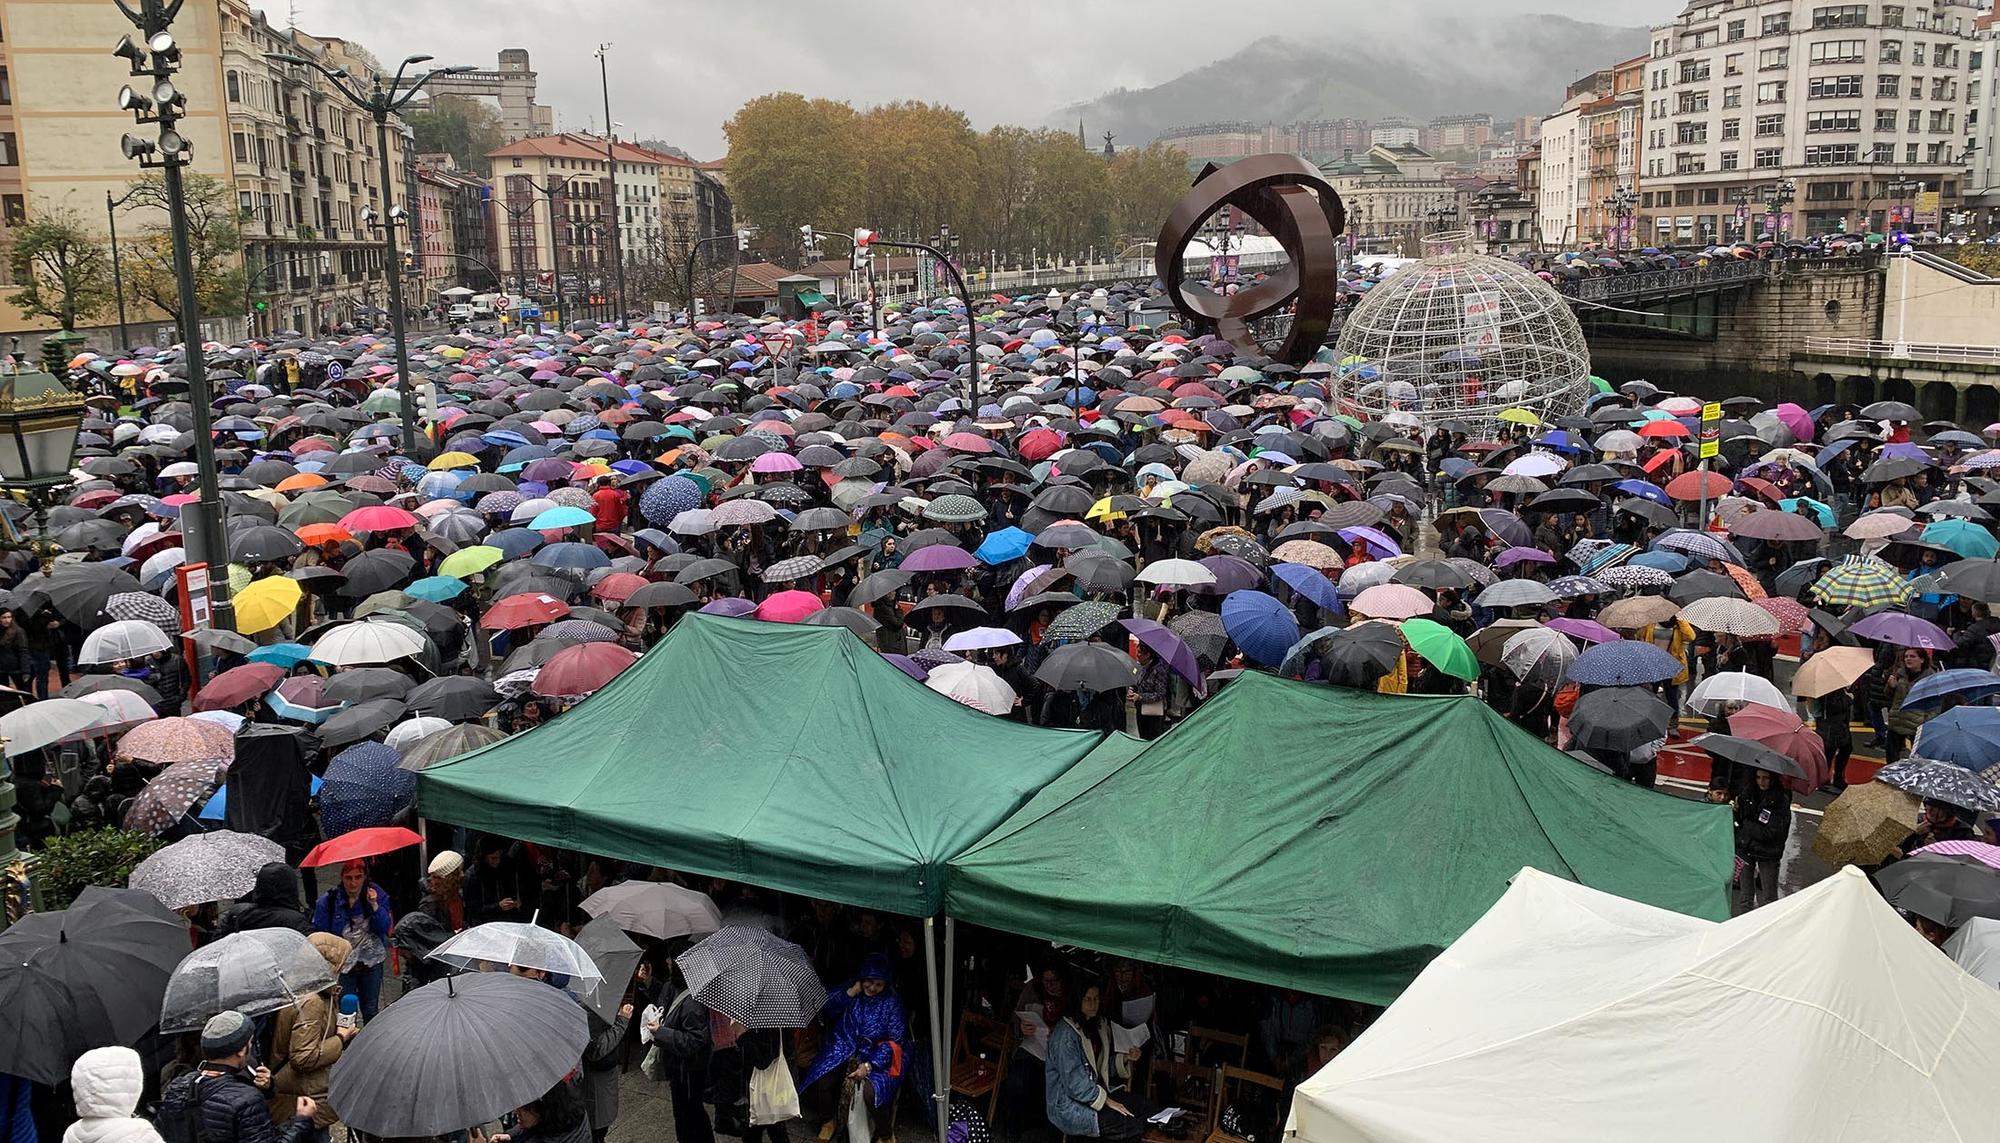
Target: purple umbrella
1513	556
1027	579
1376	538
548	468
936	558
982	639
1180	658
1588	630
1232	573
909	666
1903	631
1904	450
734	606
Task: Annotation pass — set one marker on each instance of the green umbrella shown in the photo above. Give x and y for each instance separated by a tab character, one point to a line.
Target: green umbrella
1600	384
1441	648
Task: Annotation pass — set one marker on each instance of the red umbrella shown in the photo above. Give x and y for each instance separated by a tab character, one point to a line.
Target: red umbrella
1781	730
356	844
582	669
1039	444
239	685
1664	429
378	518
524	610
1762	487
1697	484
618	586
789	606
1791	615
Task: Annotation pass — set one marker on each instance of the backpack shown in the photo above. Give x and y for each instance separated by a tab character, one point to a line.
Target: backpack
179	1120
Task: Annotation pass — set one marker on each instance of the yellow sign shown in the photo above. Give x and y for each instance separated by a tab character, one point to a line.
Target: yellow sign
1711	433
1927	207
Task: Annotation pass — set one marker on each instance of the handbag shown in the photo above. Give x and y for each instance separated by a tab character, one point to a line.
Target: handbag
774	1096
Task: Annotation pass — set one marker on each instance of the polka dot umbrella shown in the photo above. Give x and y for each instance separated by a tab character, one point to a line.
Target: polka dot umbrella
668	498
171	795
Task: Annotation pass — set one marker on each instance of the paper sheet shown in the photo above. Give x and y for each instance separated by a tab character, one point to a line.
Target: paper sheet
1125	1039
1137	1011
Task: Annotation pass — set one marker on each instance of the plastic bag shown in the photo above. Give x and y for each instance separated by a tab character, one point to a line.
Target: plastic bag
774	1096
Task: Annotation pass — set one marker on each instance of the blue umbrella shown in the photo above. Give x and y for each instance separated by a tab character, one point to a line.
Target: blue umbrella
286	655
1645	490
1969	540
1260	625
1004	545
217	806
1311	584
668	497
561	516
365	787
437	588
1673	563
1624	663
1821	512
1965	683
1967	736
574	557
515	542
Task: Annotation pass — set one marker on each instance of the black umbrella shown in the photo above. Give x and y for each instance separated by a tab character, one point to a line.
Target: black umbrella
1650	511
1434	574
1945	888
376	570
260	543
360	684
1974	579
1749	752
457	1053
1802	574
1703	585
89	976
704	569
461	739
1087	666
78	591
453	697
1359	655
362	720
1618	719
880	585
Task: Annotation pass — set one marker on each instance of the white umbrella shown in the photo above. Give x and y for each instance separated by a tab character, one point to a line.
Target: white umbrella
122	710
1175	573
655	909
500	944
407	732
981	639
974	685
1735	686
252	972
45	723
123	639
366	642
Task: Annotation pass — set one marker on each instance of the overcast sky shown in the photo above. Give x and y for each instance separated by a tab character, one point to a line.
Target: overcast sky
680	68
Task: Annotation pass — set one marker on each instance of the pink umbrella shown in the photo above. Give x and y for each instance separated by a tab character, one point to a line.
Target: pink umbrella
1391	601
1796	419
776	462
789	606
1588	630
1784	732
1984	854
378	518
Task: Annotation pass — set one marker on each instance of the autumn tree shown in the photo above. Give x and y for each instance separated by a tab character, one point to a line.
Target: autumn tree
214	242
793	162
61	271
1145	184
459	126
918	165
1068	207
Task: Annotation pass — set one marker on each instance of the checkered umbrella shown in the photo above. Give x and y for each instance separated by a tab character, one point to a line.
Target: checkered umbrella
148	608
755	978
1861	581
796	567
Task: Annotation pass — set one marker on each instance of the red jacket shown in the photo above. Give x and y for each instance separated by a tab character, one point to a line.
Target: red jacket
608	505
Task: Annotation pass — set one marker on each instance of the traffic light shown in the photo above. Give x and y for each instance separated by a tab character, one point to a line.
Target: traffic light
743	240
262	306
427	401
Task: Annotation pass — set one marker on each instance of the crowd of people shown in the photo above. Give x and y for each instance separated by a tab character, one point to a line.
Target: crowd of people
1101	532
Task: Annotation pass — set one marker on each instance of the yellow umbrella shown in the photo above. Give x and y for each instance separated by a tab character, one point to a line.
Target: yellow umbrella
1102	510
451	353
453	460
266	603
1520	417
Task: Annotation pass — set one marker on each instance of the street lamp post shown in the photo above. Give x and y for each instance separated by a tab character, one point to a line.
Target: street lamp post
1781	197
611	162
514	247
165	105
864	239
380	103
1622	203
111	206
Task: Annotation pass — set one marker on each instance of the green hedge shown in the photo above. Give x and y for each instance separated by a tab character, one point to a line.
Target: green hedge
68	864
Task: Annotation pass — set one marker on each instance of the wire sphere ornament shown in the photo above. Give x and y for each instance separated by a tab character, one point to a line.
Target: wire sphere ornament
1458	336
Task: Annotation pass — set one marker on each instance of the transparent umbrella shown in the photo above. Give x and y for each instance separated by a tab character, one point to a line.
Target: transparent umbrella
505	944
253	972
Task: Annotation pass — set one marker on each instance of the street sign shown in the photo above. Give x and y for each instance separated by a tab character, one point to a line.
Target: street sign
335	371
503	302
1711	431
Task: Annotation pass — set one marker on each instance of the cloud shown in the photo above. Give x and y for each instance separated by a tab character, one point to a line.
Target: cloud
679	69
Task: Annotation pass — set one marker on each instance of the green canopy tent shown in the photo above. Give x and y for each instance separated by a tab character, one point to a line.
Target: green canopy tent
789	757
1325	839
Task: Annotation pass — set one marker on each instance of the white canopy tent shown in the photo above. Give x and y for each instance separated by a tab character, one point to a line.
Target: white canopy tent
1568	1014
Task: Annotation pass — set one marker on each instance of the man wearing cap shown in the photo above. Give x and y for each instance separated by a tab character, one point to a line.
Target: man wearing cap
223	1100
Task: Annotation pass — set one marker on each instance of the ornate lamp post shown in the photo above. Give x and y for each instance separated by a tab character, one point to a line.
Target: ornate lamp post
1621	202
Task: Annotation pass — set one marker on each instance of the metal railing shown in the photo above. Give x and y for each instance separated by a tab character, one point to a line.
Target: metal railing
1664	281
1911	350
1070	277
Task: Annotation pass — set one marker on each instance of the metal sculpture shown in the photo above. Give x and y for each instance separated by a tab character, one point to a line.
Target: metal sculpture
1286	195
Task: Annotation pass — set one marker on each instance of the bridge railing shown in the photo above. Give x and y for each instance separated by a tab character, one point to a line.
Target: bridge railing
1139	270
1912	350
1663	281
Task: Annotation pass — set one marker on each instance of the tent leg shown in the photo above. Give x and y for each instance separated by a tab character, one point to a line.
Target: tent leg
946	1016
940	1051
423	851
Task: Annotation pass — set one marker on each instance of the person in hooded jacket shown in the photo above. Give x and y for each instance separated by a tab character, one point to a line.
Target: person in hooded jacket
273	904
306	1039
106	1083
866	1039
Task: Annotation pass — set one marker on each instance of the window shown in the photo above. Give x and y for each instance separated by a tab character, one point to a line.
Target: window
1728	161
1826	192
1834	87
1892	15
6	88
1916	120
1892	51
1888	86
1733	31
1941	122
1732	97
1685	133
1938	153
1841	16
1883	153
1767	157
1684	198
1885	120
1944	88
1819	122
1839	51
1769	125
1732	129
234	83
246	202
242	148
1690	102
1910	152
10	155
1694	71
1777	25
1917	54
14	209
1772	92
1732	64
1832	154
1709	196
1771	59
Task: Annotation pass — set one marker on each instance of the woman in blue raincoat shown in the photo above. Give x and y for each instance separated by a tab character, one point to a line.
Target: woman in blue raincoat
866	1039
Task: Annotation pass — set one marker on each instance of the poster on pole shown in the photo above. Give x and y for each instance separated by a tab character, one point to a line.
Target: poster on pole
1480	322
1711	431
197	614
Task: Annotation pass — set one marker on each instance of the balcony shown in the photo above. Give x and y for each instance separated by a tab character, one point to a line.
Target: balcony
298	176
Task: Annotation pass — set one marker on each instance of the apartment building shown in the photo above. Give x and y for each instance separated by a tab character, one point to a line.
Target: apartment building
574	166
1799	117
1982	123
1394	195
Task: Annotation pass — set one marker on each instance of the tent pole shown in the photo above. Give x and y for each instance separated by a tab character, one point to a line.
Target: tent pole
948	1013
940	1052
